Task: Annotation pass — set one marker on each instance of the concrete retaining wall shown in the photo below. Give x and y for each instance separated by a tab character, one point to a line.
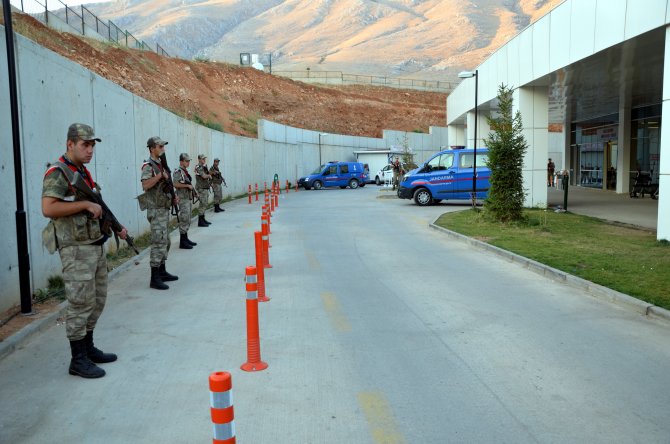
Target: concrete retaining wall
54	92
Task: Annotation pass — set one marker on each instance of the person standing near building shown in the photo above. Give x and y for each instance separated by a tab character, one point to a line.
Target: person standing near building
202	184
157	201
217	186
396	171
75	231
185	191
550	173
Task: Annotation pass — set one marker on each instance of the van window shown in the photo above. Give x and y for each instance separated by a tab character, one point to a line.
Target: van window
466	160
441	162
344	168
331	170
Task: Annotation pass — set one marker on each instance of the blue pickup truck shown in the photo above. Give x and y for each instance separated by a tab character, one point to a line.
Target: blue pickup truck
447	175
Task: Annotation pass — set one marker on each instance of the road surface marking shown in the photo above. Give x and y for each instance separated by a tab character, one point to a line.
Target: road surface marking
334	311
379	416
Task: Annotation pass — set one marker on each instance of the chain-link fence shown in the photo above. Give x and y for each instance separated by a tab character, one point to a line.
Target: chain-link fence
82	21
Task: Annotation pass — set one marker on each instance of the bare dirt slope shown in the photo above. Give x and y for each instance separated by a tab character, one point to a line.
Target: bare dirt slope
232	98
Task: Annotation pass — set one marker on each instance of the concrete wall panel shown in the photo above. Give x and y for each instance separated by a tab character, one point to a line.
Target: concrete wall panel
525	56
541	32
582	36
559	40
610	23
643	16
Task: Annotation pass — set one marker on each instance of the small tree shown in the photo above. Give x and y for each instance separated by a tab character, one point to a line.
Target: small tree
407	154
507	147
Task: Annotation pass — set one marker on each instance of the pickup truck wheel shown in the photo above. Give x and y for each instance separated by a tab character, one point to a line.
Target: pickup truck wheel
422	197
317	185
353	184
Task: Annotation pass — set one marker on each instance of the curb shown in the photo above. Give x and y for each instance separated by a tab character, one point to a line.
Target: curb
595	290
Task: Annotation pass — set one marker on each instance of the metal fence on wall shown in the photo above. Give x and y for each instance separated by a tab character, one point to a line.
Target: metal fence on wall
340	77
80	19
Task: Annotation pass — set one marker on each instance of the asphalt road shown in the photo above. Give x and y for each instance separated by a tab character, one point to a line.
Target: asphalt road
379	330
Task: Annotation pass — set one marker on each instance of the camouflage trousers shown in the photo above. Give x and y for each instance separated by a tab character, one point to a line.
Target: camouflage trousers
185	206
85	276
204	200
160	239
217	189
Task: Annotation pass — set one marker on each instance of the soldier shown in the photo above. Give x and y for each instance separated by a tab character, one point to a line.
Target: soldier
75	231
185	190
217	189
202	184
157	200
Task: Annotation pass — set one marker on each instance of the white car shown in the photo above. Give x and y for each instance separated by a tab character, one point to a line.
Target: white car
385	173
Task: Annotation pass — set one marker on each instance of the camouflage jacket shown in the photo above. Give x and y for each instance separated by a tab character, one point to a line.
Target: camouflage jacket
200	182
157	196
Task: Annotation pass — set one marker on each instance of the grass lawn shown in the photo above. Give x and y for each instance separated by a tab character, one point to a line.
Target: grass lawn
625	259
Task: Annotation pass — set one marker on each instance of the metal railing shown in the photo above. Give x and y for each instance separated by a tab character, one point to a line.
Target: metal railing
81	19
340	77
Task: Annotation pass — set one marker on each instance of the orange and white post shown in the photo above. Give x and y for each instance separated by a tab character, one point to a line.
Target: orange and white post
221	407
250	194
266	241
260	267
256	191
254	363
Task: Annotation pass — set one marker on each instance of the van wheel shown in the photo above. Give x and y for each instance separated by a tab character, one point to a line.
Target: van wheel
353	184
377	181
422	197
317	185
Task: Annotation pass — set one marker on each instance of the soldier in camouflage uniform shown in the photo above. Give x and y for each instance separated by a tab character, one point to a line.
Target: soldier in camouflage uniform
202	184
75	231
185	190
158	203
217	189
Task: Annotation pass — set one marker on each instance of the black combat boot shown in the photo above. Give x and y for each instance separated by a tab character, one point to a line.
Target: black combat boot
94	354
183	242
205	220
156	281
218	209
201	222
165	276
189	240
81	365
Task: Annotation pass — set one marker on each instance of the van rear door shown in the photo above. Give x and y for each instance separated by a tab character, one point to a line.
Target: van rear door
463	186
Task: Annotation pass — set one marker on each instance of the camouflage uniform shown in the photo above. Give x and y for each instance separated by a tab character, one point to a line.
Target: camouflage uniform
202	186
80	244
158	213
181	175
217	181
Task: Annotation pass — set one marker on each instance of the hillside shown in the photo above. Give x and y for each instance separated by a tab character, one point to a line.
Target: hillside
424	39
232	98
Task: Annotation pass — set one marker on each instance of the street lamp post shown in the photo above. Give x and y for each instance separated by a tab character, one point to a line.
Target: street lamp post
465	75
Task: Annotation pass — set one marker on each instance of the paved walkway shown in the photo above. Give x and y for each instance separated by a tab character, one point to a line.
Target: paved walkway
378	330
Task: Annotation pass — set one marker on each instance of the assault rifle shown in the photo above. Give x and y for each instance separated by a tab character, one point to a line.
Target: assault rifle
108	222
217	172
170	186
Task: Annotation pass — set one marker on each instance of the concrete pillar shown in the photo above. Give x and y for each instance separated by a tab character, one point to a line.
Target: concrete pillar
663	224
483	129
456	135
623	161
533	103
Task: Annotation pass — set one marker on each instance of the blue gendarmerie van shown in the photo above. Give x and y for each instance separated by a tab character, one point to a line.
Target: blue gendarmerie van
336	174
447	175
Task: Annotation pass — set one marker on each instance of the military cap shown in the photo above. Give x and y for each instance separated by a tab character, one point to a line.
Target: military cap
184	156
81	131
155	140
216	159
202	156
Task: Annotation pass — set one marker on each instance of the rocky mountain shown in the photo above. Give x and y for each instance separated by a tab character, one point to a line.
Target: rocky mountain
425	39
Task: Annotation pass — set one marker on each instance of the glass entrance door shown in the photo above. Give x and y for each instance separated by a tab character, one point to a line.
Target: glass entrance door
611	156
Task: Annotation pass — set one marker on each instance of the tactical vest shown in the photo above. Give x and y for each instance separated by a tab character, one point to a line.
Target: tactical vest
217	177
78	229
180	175
156	197
200	182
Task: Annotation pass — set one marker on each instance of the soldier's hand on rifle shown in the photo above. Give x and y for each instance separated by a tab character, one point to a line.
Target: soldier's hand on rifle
165	175
175	201
123	233
94	209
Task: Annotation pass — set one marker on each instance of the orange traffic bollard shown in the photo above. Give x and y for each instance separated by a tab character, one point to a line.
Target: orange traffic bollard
260	267
296	185
276	200
254	362
256	191
250	193
288	186
272	203
266	241
265	186
221	407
